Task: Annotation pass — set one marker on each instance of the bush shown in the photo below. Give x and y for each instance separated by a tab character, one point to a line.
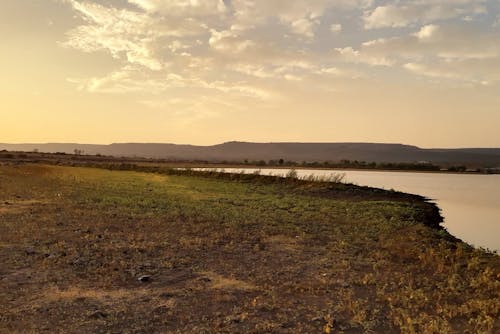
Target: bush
292	174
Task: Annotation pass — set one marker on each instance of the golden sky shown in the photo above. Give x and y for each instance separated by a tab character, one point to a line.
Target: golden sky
423	72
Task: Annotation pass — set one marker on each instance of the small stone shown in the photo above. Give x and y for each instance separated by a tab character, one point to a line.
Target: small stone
343	283
144	279
205	279
98	315
167	295
233	319
30	251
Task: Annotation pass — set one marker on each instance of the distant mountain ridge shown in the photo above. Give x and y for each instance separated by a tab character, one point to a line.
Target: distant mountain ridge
239	151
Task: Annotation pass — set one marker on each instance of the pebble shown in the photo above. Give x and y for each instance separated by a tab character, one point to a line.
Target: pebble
30	251
144	278
98	315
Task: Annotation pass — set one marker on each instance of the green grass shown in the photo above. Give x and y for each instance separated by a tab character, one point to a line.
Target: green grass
230	254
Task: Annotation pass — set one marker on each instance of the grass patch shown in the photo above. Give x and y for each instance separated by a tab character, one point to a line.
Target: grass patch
249	254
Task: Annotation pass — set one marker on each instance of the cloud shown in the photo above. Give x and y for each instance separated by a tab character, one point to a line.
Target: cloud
131	79
459	52
430	71
470	71
260	49
305	27
403	14
124	34
187	8
497	21
336	27
253	70
302	17
348	54
449	41
123	81
338	72
229	41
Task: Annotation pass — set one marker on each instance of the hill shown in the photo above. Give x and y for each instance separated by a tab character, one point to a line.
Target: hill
239	151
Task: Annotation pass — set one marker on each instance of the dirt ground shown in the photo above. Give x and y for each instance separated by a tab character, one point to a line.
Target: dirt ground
85	250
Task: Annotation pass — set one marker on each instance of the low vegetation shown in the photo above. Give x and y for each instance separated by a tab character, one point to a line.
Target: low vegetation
144	249
79	158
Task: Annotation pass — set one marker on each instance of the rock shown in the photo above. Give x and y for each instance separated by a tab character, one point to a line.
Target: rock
205	279
288	324
98	315
233	319
343	283
80	261
144	278
167	295
30	251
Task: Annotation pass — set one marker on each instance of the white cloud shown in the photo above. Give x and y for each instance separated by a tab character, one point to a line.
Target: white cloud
427	32
497	21
336	27
123	81
256	48
449	41
469	71
124	34
300	16
348	54
304	27
339	72
132	80
403	14
451	52
229	41
292	77
187	8
426	70
253	70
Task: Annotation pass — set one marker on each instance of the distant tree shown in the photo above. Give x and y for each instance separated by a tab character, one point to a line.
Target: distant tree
457	168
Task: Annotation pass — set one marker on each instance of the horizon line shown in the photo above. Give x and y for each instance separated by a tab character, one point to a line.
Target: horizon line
248	142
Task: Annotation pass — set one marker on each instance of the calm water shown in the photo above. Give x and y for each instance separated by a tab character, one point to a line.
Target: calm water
470	204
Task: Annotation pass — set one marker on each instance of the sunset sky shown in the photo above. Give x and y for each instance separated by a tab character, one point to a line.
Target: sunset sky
423	72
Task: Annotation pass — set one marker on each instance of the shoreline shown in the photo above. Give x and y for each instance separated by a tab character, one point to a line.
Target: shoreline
71	158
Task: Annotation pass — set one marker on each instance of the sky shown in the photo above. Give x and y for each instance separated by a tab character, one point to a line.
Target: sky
422	72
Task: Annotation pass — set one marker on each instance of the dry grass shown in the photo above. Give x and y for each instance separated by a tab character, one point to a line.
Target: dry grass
230	255
18	206
217	281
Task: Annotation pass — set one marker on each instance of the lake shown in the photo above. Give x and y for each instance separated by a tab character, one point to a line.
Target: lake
470	203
